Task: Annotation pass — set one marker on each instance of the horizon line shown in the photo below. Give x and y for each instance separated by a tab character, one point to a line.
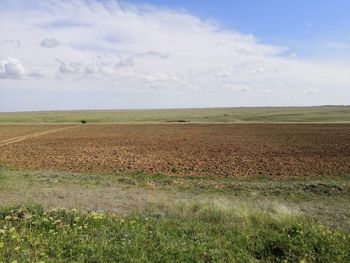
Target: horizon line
180	108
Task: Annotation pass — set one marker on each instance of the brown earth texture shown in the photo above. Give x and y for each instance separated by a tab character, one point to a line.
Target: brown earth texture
224	150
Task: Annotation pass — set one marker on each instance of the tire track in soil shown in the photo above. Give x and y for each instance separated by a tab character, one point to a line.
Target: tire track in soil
32	135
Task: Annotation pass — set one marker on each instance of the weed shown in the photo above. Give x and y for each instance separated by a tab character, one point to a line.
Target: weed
203	235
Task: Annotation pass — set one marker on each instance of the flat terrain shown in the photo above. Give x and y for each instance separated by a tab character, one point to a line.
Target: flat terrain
110	218
325	200
332	114
194	185
32	134
8	132
221	150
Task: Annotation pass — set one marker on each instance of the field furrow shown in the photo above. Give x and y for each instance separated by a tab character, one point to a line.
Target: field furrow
222	150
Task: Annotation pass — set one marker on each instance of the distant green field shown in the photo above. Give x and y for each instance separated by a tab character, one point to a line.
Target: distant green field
226	115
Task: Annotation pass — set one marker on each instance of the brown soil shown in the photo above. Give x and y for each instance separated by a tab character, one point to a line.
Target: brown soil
282	150
31	135
12	131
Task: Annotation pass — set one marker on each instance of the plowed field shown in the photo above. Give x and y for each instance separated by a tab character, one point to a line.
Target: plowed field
12	131
279	150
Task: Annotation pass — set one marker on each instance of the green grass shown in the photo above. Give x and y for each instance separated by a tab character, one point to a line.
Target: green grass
208	115
297	188
142	217
193	234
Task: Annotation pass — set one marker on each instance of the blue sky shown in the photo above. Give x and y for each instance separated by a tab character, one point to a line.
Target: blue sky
99	54
302	25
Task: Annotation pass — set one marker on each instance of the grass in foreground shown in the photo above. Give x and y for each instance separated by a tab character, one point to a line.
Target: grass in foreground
191	233
323	199
152	218
294	188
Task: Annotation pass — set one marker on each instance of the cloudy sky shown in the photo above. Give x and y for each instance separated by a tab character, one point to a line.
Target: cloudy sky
92	54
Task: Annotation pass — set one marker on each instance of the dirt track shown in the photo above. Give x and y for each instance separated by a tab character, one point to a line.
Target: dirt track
31	135
283	150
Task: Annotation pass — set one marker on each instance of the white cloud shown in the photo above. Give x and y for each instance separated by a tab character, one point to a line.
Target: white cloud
153	53
12	68
237	87
310	91
69	67
130	47
10	42
49	43
91	69
127	62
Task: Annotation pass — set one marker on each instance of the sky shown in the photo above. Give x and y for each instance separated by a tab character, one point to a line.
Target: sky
130	54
